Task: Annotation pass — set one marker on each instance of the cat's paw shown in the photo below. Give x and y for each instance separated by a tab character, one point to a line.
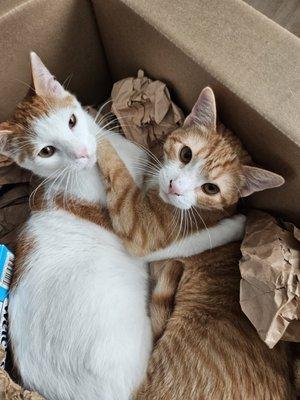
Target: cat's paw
239	219
108	161
236	226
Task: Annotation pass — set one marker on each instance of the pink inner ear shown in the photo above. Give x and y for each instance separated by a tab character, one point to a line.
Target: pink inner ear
258	179
204	111
44	82
55	88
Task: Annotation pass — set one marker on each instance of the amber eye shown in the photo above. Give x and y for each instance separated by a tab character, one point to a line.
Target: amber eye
185	154
72	121
210	188
47	151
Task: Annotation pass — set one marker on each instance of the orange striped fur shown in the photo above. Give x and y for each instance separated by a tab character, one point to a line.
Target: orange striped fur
206	349
165	277
209	350
19	125
143	220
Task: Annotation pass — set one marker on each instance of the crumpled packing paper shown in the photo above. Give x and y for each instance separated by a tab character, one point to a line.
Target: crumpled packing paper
14	211
9	390
11	173
270	285
145	111
14	190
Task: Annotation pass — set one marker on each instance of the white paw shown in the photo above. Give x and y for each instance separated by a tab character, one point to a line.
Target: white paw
240	219
239	225
235	226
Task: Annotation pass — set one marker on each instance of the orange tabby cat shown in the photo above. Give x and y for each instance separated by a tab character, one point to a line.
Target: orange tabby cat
209	349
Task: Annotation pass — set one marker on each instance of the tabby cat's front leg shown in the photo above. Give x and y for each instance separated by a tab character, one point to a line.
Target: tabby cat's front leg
165	278
139	218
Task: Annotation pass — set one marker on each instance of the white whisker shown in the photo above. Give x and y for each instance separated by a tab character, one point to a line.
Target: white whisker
33	193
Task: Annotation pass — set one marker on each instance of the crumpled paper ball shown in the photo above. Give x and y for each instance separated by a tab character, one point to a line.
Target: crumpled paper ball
145	111
270	285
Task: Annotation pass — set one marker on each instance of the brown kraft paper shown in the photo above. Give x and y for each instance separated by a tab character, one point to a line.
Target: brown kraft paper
145	111
270	285
9	390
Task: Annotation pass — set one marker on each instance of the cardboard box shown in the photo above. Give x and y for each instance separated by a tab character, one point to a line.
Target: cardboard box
252	63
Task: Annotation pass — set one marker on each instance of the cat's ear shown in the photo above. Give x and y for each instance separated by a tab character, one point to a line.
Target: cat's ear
257	179
4	147
204	111
45	84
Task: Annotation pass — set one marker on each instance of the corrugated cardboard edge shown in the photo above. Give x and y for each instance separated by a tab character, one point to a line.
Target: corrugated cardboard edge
66	37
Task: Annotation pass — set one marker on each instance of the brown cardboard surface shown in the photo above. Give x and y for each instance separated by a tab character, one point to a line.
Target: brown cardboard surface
65	34
285	12
236	44
252	64
254	72
8	6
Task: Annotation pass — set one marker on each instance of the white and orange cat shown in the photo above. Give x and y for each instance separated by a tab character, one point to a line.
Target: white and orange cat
206	348
78	312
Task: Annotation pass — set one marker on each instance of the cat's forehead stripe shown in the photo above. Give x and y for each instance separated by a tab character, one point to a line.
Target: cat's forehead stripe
216	163
36	107
176	139
21	124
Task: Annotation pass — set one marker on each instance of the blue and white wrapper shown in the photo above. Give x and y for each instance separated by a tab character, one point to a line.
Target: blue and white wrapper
6	271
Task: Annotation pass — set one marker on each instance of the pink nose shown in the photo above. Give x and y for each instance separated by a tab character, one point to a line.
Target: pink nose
173	189
82	153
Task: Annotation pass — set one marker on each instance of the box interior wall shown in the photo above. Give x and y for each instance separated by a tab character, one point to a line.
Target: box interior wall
91	44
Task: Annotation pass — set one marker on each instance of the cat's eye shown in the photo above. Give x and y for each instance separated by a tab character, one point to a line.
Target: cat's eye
72	121
210	188
47	151
185	154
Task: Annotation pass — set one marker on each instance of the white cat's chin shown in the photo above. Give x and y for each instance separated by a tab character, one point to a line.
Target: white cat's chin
86	164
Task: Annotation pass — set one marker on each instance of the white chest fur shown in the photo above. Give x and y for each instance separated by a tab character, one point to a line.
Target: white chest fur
84	185
78	318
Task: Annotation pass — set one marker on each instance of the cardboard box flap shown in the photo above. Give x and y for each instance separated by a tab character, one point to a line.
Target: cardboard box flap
250	61
285	12
241	48
65	35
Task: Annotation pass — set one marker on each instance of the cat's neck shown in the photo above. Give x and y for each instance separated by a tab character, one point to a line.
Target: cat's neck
83	186
81	194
